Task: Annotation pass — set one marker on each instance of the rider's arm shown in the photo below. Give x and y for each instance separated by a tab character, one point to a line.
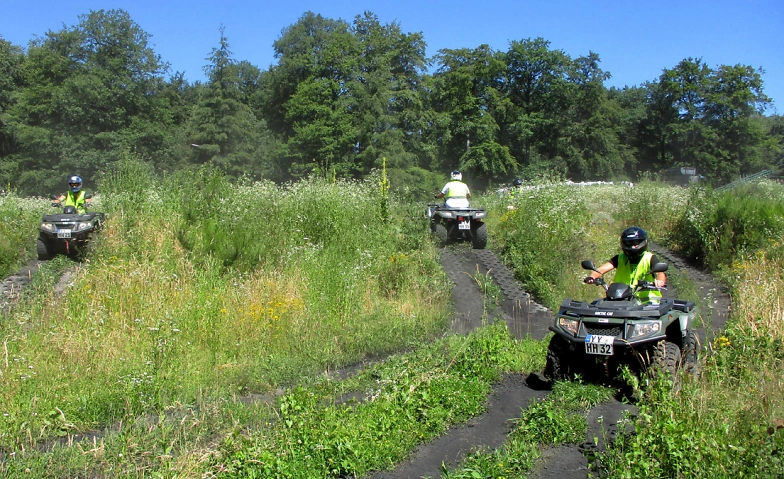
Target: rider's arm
603	269
443	192
659	279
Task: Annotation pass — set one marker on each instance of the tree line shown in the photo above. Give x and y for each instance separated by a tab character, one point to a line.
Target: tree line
345	96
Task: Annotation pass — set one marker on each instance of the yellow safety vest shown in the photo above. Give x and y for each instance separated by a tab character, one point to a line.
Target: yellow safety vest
456	189
631	275
75	200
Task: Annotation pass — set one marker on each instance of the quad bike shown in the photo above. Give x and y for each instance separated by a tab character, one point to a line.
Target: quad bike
596	339
458	224
69	232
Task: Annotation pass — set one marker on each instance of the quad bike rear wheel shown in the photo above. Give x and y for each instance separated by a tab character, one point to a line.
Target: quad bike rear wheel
690	354
479	237
441	233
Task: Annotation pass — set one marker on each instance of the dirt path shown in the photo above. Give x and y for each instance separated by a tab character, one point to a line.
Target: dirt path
11	287
525	317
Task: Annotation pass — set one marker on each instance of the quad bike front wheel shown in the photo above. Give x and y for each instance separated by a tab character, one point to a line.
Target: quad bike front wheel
561	363
666	359
42	250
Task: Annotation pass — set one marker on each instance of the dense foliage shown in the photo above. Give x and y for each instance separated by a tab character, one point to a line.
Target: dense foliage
345	95
168	354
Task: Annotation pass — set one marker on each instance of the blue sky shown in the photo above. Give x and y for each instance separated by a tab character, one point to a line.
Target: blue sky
635	40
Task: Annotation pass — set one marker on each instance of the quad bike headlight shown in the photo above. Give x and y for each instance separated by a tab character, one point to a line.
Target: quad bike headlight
646	328
447	214
81	226
479	214
48	227
567	324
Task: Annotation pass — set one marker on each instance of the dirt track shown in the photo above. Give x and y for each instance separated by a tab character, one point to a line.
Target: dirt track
525	317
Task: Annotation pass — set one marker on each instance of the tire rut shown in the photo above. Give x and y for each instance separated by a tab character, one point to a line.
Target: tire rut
12	286
526	318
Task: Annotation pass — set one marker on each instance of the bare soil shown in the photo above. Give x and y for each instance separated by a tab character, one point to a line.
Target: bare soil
513	393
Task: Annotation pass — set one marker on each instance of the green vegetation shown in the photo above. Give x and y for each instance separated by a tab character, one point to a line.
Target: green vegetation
19	220
345	95
558	419
200	336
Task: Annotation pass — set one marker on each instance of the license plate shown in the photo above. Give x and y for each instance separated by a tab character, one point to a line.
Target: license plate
464	225
597	344
63	233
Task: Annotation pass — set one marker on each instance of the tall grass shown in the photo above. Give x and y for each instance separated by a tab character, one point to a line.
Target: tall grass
202	296
19	220
720	226
190	298
551	227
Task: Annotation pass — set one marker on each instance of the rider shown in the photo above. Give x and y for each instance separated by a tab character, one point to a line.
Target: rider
517	184
456	192
74	196
633	264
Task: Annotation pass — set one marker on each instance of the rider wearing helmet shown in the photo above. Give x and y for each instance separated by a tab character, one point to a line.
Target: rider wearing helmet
74	196
633	264
516	185
456	192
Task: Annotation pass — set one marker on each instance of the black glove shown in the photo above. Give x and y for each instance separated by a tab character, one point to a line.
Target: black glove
589	280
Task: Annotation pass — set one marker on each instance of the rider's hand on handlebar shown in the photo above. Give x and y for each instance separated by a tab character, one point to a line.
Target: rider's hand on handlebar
659	283
589	280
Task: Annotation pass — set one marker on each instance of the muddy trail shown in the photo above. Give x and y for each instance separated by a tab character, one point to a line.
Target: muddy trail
523	316
515	392
11	287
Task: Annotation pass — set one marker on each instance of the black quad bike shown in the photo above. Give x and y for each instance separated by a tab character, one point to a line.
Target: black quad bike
458	224
595	339
67	233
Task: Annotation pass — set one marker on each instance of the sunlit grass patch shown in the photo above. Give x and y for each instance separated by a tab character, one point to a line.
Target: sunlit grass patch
19	220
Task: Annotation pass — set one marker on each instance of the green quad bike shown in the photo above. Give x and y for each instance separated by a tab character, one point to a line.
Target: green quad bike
68	233
594	340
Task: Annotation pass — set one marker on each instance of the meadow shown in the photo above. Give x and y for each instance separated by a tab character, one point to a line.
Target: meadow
201	337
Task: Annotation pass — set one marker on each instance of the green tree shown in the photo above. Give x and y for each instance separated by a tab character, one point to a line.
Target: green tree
734	99
93	93
306	96
594	150
223	127
11	59
388	101
473	110
538	87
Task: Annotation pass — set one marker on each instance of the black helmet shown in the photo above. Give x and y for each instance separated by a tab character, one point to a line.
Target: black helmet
634	241
517	182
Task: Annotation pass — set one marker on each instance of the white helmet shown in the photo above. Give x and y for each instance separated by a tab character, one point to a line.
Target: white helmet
456	175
